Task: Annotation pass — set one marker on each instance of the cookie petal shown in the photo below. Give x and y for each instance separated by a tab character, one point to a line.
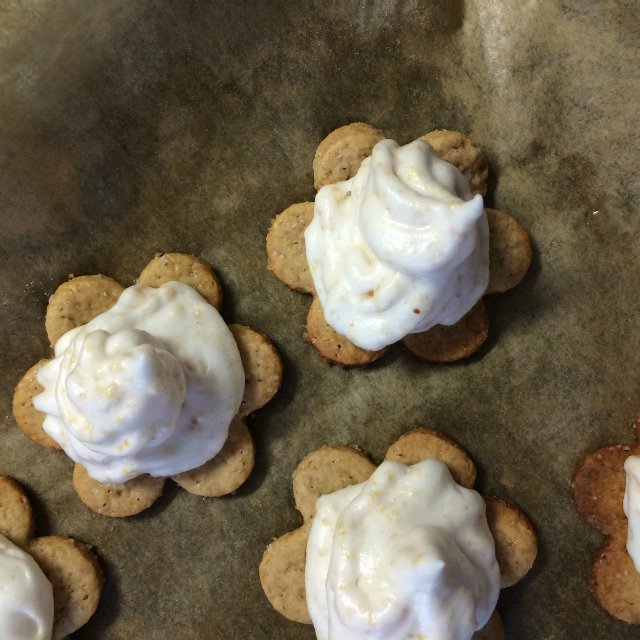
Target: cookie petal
515	540
424	444
74	571
117	500
282	574
326	470
442	344
464	154
286	251
510	251
598	485
262	367
228	470
340	154
16	516
332	346
27	417
181	267
77	301
614	581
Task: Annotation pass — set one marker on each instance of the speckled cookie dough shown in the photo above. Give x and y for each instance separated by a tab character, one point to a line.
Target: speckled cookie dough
77	301
27	417
180	267
339	155
286	254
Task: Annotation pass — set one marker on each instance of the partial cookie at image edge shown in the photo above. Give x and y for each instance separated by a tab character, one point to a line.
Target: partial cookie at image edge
598	489
76	576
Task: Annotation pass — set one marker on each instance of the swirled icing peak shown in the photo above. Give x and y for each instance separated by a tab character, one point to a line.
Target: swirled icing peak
398	248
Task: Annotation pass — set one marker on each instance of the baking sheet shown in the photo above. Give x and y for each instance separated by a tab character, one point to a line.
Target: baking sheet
131	128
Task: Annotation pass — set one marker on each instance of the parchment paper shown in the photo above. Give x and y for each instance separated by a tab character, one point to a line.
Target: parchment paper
128	128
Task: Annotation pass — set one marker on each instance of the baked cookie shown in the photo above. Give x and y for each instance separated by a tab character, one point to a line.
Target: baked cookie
116	500
232	465
230	468
443	344
340	154
71	566
334	467
179	267
27	417
262	366
333	347
77	301
464	154
509	251
598	488
286	253
338	157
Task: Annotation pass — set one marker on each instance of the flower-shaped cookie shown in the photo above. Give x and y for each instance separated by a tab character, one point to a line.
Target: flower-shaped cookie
598	487
79	300
338	157
70	566
334	467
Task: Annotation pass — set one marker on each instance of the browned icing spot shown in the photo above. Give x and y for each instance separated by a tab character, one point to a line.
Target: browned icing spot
416	311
